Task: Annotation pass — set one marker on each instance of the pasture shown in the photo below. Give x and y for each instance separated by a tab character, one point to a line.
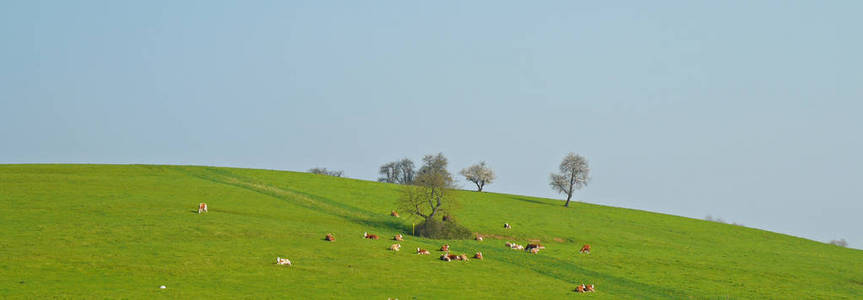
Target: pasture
121	231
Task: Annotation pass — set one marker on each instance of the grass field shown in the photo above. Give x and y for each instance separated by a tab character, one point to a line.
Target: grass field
121	231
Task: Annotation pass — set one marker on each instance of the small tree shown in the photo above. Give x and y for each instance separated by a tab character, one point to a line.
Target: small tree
324	171
479	174
840	243
574	174
401	172
389	173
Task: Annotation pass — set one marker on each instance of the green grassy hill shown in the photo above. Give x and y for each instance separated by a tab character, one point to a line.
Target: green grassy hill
121	231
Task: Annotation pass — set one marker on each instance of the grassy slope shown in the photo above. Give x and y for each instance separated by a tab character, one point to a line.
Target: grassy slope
121	231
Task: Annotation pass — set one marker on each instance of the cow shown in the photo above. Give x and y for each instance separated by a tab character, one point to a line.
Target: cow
580	288
202	207
396	247
283	261
398	237
462	257
394	214
452	256
330	237
508	244
589	288
585	249
479	238
532	246
445	257
423	251
445	247
370	236
534	250
506	225
478	255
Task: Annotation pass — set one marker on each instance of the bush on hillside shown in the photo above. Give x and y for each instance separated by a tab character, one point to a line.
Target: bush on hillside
434	229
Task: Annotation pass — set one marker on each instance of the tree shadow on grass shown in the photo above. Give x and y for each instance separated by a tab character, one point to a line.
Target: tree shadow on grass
532	201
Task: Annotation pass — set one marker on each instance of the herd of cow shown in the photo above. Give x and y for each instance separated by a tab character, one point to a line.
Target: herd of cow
446	256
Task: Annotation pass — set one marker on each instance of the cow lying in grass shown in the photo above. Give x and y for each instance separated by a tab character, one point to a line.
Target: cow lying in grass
514	246
370	236
202	207
478	255
394	214
445	247
585	249
532	246
330	237
585	288
396	247
398	237
534	250
479	238
506	225
283	261
452	257
423	251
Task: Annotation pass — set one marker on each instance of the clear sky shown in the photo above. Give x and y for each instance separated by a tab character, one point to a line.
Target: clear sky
745	110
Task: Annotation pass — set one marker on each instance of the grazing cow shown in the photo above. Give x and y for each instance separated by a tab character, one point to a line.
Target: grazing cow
330	237
478	255
394	214
445	247
283	261
580	288
506	225
370	236
202	207
534	250
589	288
479	238
396	247
423	251
398	237
585	249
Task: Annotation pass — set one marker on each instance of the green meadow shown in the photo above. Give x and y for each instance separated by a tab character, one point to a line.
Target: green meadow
121	231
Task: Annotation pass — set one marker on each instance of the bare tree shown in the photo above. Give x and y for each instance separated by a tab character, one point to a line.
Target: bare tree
431	192
406	171
574	174
324	171
840	243
389	172
479	174
401	172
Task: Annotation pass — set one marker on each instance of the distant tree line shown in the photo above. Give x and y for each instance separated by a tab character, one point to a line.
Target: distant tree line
324	171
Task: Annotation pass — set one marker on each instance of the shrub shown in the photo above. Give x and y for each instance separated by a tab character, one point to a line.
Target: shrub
443	230
840	243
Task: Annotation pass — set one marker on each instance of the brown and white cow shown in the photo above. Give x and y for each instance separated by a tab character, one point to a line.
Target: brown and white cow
330	237
396	247
202	207
423	251
398	237
394	214
479	238
534	250
283	261
532	246
370	236
478	255
585	249
445	247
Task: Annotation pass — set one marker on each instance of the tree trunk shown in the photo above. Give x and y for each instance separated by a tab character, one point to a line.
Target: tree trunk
568	197
479	188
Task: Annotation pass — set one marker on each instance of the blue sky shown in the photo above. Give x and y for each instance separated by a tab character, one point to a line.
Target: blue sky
744	110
